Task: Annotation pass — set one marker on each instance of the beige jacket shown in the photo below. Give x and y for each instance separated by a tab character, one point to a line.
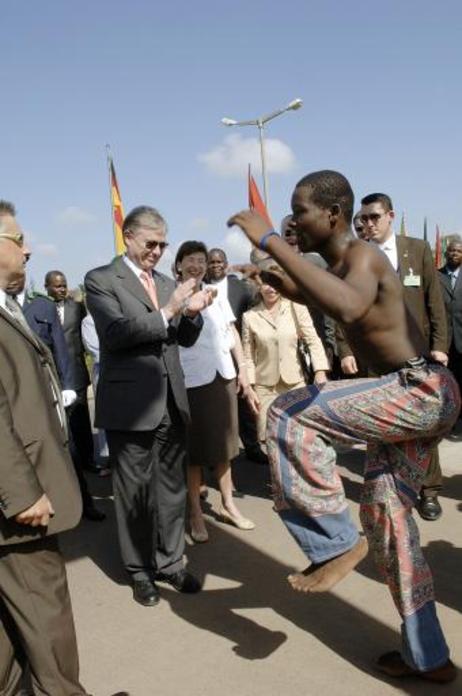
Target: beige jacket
270	344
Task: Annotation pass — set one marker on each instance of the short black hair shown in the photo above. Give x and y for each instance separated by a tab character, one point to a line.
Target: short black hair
216	250
190	247
382	198
7	208
52	274
330	188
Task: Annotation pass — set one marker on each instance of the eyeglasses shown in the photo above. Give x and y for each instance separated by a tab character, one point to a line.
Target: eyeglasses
373	217
17	238
150	246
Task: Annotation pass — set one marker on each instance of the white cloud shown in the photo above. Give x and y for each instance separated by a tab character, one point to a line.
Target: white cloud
50	250
233	156
237	247
73	216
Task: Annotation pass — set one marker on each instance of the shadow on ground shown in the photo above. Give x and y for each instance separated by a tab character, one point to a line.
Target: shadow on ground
258	581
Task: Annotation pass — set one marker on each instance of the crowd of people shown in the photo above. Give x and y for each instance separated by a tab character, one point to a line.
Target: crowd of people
326	337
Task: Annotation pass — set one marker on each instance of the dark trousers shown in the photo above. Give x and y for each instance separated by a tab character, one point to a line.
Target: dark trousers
150	495
80	427
433	482
36	622
247	425
455	365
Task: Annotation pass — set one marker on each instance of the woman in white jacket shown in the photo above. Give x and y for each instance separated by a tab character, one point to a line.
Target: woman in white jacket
209	368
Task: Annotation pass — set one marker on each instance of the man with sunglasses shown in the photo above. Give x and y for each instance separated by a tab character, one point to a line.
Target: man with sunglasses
141	403
413	261
39	496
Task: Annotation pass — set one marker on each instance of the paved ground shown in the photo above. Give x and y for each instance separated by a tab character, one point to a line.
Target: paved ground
248	633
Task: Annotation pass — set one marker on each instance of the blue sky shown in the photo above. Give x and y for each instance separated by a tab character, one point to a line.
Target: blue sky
381	84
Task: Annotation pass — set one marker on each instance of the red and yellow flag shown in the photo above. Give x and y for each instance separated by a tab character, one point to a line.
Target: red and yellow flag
117	210
438	249
256	201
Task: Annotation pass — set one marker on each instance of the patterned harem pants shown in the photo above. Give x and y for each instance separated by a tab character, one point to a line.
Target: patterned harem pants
401	416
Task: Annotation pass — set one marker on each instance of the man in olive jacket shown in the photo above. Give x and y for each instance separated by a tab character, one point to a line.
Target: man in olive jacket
39	496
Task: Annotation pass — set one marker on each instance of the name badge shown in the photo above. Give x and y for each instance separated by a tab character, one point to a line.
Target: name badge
411	280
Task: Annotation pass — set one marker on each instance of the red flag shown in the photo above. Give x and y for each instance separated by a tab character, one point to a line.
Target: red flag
256	201
438	249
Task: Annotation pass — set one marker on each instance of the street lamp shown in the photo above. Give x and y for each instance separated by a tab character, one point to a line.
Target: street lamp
260	123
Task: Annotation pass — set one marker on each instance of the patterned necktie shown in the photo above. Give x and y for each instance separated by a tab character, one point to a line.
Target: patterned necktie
453	280
148	284
15	310
60	310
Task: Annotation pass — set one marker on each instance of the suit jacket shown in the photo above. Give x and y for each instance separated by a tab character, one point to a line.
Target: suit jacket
240	297
138	354
453	303
425	301
270	346
42	317
34	458
74	313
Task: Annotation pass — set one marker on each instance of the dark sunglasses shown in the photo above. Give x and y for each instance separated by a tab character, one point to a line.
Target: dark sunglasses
149	246
373	217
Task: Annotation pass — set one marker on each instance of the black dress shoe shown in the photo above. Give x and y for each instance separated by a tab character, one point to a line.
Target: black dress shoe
146	593
90	512
181	581
429	508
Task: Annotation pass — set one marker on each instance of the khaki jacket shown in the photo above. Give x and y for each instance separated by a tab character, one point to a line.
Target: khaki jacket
270	344
34	457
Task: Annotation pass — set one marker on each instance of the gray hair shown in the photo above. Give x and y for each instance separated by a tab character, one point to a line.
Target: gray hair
6	209
144	216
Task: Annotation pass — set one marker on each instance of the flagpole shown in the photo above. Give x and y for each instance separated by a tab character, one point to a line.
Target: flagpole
111	205
263	162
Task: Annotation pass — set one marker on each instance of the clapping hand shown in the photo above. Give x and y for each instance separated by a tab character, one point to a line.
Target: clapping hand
199	301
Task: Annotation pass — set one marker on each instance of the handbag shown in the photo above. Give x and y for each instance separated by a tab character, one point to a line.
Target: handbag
303	352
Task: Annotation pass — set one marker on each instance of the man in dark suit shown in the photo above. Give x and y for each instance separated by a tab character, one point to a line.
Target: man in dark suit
141	400
241	298
42	317
71	314
451	283
412	259
39	496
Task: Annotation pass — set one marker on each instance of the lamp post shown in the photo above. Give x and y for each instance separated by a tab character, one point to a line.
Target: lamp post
260	123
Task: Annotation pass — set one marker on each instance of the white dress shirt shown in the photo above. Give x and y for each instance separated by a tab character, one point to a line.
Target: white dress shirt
3	300
390	250
222	287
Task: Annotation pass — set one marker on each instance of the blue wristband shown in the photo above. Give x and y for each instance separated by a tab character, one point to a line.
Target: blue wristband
264	240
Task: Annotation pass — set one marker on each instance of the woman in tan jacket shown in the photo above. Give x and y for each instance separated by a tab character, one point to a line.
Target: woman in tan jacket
270	332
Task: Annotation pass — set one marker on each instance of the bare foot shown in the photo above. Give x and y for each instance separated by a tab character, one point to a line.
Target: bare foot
321	577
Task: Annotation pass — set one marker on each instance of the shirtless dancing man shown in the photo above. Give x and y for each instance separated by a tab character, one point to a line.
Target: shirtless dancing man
400	415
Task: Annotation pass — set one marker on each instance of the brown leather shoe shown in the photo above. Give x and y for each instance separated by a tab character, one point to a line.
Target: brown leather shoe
392	663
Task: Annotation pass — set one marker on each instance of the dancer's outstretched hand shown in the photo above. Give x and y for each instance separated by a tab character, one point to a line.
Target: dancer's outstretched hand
251	223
